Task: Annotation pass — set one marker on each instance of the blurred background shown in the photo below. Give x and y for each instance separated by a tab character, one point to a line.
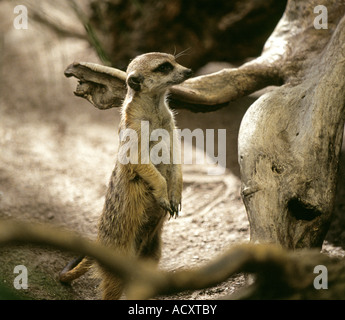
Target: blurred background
57	151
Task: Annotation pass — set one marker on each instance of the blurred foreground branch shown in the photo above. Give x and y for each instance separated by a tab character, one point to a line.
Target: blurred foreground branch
279	273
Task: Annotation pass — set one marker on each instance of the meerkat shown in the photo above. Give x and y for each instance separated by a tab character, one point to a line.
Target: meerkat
140	194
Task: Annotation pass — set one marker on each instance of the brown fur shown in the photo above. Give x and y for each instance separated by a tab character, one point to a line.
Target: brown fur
139	195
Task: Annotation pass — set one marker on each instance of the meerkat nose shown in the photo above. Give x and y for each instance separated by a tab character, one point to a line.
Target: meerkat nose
188	73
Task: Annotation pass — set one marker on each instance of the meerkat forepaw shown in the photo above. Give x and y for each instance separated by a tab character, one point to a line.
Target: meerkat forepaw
164	203
175	203
175	209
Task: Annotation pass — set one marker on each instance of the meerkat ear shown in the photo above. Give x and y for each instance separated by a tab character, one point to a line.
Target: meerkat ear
134	81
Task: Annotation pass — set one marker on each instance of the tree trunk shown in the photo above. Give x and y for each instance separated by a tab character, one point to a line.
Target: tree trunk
290	138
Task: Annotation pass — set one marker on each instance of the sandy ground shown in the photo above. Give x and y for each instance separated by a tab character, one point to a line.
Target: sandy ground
57	154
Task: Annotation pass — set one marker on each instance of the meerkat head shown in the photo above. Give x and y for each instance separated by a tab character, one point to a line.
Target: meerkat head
155	72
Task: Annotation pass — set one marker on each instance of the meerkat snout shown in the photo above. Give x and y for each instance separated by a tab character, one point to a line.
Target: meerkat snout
152	72
188	73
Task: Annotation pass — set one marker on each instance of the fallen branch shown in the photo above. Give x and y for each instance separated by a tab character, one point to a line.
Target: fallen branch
280	273
105	87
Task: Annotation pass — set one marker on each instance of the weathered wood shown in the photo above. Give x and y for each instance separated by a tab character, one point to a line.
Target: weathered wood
290	138
105	88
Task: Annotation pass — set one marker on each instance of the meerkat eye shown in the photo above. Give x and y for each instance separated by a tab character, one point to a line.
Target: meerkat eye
165	67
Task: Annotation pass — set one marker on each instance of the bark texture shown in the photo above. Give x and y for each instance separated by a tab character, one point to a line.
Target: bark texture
290	138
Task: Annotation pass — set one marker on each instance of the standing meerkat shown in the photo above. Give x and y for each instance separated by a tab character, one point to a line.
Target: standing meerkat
140	193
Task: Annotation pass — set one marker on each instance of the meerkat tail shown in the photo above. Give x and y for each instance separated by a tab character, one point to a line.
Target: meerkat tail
75	269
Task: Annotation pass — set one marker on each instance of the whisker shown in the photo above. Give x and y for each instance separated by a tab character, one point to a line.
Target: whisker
174	51
182	53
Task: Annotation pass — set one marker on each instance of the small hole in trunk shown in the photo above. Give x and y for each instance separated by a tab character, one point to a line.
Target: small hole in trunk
302	211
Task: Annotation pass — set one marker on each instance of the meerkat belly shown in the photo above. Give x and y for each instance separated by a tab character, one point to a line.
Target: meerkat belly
154	217
126	204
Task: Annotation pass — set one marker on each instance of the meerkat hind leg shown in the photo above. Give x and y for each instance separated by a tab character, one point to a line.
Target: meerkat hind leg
152	248
111	286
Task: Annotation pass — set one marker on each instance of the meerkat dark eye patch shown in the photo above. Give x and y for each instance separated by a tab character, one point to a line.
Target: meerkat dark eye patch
165	67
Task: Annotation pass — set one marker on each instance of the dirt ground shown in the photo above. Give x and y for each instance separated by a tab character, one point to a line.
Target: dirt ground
57	154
